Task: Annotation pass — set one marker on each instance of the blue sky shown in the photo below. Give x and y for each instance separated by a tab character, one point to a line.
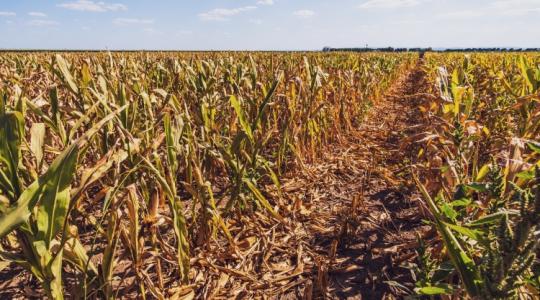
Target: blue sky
267	24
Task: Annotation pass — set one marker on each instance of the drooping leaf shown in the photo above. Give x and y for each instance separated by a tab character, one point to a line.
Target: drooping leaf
241	117
11	136
465	266
261	199
65	74
491	218
56	180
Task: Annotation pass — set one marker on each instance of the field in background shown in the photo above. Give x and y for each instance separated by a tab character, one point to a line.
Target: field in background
125	174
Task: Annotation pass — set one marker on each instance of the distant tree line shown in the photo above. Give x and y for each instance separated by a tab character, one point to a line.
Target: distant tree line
367	49
491	50
391	49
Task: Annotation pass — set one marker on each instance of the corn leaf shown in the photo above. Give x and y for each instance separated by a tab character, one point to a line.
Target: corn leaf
462	262
11	136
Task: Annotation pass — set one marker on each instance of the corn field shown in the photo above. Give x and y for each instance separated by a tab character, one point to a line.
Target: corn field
130	175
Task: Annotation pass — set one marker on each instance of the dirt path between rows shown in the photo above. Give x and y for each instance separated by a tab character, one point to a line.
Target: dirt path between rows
362	216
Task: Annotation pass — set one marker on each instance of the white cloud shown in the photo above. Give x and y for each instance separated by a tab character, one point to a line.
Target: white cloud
223	14
520	11
7	14
389	3
304	13
132	21
462	14
516	7
265	2
515	3
508	8
87	5
37	14
255	21
42	23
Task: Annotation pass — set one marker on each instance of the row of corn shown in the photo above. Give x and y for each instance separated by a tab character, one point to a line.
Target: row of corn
144	157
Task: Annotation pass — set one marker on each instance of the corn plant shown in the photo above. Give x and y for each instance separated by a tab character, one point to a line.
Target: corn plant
486	182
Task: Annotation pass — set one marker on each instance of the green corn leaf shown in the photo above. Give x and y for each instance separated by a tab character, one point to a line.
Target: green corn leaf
471	233
109	254
526	175
54	203
534	146
477	187
241	117
525	72
11	136
122	100
465	266
169	140
267	99
463	202
55	269
261	199
448	211
57	179
491	219
50	266
441	289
